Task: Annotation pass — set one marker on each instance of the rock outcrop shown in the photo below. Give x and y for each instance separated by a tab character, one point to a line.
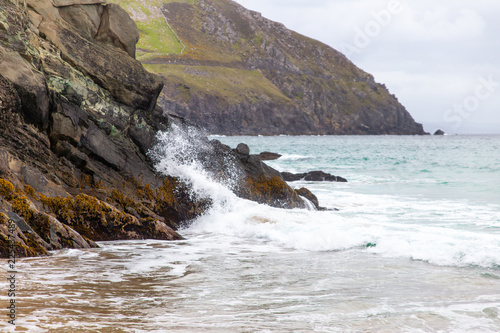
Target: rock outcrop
269	156
313	176
78	115
439	132
234	72
263	183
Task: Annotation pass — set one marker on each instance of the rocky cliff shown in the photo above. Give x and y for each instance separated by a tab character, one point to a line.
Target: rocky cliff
78	115
233	72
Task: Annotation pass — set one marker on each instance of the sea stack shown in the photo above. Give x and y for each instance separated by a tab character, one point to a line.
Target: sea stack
439	132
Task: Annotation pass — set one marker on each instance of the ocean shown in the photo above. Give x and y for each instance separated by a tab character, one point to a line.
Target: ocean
413	247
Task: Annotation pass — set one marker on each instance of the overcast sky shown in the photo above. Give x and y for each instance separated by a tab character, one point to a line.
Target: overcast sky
440	58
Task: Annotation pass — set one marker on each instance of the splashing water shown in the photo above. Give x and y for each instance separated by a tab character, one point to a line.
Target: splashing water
408	258
186	153
435	231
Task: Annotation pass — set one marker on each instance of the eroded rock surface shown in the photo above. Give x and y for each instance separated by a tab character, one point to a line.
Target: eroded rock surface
78	115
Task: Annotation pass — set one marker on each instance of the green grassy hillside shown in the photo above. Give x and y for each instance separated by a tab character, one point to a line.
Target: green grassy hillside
225	65
157	38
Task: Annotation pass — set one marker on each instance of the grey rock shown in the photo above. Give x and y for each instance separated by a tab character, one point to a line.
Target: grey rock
316	176
20	222
99	145
269	156
124	77
243	150
439	132
37	180
306	193
30	85
118	29
86	19
63	3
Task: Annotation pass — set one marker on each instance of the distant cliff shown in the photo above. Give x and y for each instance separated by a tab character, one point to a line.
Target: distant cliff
232	71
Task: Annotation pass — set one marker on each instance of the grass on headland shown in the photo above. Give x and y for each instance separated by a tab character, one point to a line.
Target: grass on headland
156	36
231	84
156	40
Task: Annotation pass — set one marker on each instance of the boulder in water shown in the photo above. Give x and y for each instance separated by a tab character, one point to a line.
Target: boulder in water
262	183
314	176
439	132
269	156
304	192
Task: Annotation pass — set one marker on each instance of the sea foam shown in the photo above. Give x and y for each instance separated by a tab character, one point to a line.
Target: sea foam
440	232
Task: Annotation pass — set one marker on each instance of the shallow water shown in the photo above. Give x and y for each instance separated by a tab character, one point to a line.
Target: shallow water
414	248
222	284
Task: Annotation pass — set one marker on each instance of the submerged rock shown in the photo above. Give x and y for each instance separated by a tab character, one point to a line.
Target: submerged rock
314	176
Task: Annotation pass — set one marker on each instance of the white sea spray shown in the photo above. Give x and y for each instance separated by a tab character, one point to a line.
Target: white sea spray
408	251
184	152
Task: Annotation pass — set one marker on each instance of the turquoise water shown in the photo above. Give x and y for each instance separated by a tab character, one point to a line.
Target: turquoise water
414	247
437	167
432	194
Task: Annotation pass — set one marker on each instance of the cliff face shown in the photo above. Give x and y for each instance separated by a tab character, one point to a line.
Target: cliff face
232	71
78	115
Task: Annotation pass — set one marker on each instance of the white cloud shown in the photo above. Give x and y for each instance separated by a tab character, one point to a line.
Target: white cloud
441	23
